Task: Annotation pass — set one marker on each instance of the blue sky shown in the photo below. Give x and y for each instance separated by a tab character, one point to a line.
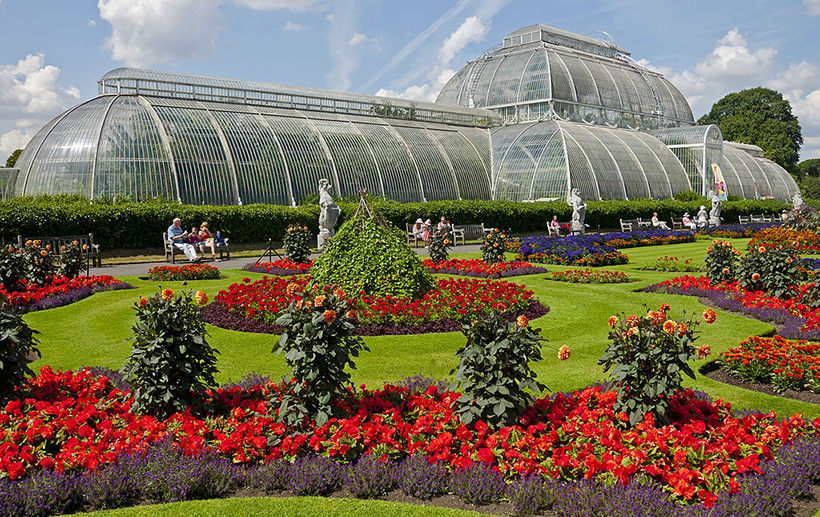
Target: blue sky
53	51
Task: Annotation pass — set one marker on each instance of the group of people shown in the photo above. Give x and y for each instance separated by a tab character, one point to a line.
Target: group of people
189	242
424	229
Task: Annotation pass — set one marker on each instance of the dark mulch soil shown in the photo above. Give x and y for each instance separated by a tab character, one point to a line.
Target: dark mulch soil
217	315
727	378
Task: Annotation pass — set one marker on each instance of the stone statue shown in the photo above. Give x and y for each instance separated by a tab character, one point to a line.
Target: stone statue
579	212
702	219
797	200
717	206
328	214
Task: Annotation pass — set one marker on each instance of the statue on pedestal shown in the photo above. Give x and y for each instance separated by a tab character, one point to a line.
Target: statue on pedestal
579	212
797	200
714	213
328	215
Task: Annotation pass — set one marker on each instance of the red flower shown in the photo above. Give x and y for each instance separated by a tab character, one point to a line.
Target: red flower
330	316
709	316
167	294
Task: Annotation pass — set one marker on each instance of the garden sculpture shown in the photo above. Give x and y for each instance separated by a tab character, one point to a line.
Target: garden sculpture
702	218
579	212
717	206
328	215
797	200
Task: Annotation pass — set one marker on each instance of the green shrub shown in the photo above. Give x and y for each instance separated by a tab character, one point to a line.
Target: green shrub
17	350
366	256
494	370
439	246
72	259
318	346
493	246
297	243
38	263
648	356
721	262
689	195
171	364
12	268
771	269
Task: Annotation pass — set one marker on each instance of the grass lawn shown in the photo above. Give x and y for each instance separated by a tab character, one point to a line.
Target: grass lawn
92	332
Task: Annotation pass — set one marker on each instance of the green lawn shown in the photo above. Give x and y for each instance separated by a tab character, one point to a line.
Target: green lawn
93	331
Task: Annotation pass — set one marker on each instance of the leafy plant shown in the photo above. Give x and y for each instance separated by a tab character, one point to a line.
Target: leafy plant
318	346
38	263
438	246
12	268
771	269
72	259
368	254
721	261
648	356
17	350
673	264
494	370
297	243
171	363
492	249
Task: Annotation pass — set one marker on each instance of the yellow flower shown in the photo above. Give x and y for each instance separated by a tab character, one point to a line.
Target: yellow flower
522	321
167	294
201	298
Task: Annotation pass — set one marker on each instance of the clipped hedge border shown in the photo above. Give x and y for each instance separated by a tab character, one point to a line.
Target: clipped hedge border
137	225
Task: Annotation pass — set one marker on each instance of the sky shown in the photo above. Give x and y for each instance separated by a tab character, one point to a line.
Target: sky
53	51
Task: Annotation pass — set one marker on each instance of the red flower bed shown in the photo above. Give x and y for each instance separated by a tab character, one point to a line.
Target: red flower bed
281	267
784	364
185	272
59	285
455	299
75	421
479	268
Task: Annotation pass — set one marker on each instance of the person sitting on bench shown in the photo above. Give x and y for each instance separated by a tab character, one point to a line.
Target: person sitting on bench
177	237
657	223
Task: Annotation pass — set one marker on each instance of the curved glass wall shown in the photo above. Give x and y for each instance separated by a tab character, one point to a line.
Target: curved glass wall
544	79
697	148
223	153
757	176
546	159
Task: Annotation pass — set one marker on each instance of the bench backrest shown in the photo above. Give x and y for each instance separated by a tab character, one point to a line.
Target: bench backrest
57	242
471	229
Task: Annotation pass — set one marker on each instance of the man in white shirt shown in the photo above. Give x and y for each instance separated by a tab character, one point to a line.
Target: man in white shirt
177	237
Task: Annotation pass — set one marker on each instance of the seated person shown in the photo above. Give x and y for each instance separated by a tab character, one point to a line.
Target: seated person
702	218
425	233
418	228
206	239
657	223
193	237
688	222
554	224
177	237
443	227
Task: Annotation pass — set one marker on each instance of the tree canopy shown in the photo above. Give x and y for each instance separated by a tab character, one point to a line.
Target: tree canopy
761	117
809	168
12	159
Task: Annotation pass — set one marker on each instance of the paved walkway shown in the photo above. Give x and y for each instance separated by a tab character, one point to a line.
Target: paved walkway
234	263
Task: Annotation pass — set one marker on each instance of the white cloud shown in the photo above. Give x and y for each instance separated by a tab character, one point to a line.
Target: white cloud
269	5
471	31
150	31
359	38
295	27
732	62
30	96
812	6
346	45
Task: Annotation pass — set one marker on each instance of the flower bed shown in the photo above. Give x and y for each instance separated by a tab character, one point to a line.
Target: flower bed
807	241
588	276
185	272
782	363
735	231
673	264
62	291
479	268
77	422
798	321
281	267
456	300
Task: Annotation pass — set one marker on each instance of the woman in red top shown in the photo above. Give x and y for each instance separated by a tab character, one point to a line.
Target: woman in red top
207	240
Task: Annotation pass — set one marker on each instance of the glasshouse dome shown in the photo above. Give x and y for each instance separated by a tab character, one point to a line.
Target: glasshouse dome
544	112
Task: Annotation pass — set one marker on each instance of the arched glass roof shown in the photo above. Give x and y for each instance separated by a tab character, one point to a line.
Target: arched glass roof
194	87
750	172
575	77
225	153
547	159
697	148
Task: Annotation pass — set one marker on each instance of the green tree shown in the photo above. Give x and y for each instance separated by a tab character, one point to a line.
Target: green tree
808	169
12	159
761	117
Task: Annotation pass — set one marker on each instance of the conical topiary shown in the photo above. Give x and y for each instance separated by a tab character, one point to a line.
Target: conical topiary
369	254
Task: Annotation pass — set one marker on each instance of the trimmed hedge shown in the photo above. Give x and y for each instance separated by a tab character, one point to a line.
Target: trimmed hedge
136	225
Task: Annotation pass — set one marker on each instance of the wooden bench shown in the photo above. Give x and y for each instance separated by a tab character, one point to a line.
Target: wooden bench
744	219
628	225
473	230
92	252
677	224
171	250
562	225
411	234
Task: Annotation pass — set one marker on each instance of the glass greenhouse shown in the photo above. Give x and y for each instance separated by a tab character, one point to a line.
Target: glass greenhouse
542	113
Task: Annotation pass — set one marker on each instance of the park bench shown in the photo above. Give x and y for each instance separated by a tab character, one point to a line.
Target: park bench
92	252
410	234
552	230
677	223
472	230
744	219
628	225
171	250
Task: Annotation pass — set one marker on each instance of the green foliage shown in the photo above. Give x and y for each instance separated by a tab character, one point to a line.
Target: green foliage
171	363
648	356
762	117
72	259
17	350
439	246
804	218
297	243
318	346
673	264
492	249
12	159
770	269
494	370
38	263
690	195
810	188
366	256
721	262
12	268
808	169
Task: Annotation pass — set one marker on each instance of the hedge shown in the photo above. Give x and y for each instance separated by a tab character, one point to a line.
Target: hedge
136	225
